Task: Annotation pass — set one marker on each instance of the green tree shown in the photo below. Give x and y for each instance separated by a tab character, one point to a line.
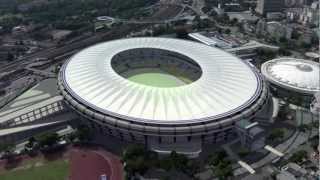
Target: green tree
137	159
181	32
227	31
298	156
31	143
243	152
83	133
8	150
304	127
276	134
215	158
48	139
223	170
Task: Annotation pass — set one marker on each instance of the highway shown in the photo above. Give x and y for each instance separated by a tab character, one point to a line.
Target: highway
63	49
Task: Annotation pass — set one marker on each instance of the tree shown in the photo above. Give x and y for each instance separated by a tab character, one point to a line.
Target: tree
4	147
137	159
298	156
234	21
266	54
215	158
8	150
221	167
314	142
2	92
83	133
243	152
284	111
227	31
223	170
31	143
48	139
181	32
179	161
276	134
284	52
303	127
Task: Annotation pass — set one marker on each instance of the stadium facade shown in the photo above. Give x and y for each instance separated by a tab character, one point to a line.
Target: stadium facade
217	91
296	80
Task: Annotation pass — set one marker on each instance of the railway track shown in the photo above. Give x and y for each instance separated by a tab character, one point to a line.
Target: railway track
54	52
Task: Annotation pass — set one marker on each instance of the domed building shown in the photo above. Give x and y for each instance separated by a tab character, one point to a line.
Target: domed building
296	80
165	93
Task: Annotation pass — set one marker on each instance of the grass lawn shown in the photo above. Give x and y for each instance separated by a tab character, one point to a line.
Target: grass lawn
52	170
156	78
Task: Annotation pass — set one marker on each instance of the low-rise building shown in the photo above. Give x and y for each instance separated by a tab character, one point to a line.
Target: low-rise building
59	34
213	39
292	171
315	105
245	16
279	30
304	15
252	136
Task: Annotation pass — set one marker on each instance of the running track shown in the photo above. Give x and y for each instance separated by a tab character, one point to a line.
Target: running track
89	164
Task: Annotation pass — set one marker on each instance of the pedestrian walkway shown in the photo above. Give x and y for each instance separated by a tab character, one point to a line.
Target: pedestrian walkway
247	167
273	150
286	147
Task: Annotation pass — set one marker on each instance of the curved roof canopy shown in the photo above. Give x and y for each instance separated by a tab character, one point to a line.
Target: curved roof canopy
293	74
226	85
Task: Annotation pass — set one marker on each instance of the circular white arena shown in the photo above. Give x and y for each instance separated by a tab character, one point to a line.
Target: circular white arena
173	90
291	75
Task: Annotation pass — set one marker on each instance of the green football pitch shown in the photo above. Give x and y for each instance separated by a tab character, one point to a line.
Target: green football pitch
156	78
55	170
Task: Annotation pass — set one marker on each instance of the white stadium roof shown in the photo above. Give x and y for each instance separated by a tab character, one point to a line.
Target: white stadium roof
293	74
227	84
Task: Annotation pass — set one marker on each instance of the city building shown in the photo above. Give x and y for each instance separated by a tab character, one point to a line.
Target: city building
315	105
279	30
304	15
292	171
252	136
214	40
297	3
261	27
59	34
103	22
266	6
168	94
293	79
313	56
245	16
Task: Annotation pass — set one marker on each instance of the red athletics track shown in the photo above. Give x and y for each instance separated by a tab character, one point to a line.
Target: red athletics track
89	164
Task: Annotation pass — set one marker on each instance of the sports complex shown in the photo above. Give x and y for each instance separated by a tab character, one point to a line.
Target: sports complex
293	79
166	93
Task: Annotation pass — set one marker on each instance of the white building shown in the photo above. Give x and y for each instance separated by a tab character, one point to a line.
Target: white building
293	78
221	90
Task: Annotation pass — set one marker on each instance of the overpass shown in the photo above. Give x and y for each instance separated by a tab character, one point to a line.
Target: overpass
251	46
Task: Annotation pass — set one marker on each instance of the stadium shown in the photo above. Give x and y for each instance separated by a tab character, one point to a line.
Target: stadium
168	94
297	80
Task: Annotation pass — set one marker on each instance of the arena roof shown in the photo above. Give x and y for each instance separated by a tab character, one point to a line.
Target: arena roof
227	84
293	74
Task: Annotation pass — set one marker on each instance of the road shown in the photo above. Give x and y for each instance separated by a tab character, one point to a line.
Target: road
63	49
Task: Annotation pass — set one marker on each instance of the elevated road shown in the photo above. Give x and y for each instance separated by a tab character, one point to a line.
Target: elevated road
61	50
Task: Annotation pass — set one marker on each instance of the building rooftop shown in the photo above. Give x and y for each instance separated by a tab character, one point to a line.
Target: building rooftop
227	84
293	74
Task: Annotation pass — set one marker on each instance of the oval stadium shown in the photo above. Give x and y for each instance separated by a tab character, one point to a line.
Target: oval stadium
166	93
